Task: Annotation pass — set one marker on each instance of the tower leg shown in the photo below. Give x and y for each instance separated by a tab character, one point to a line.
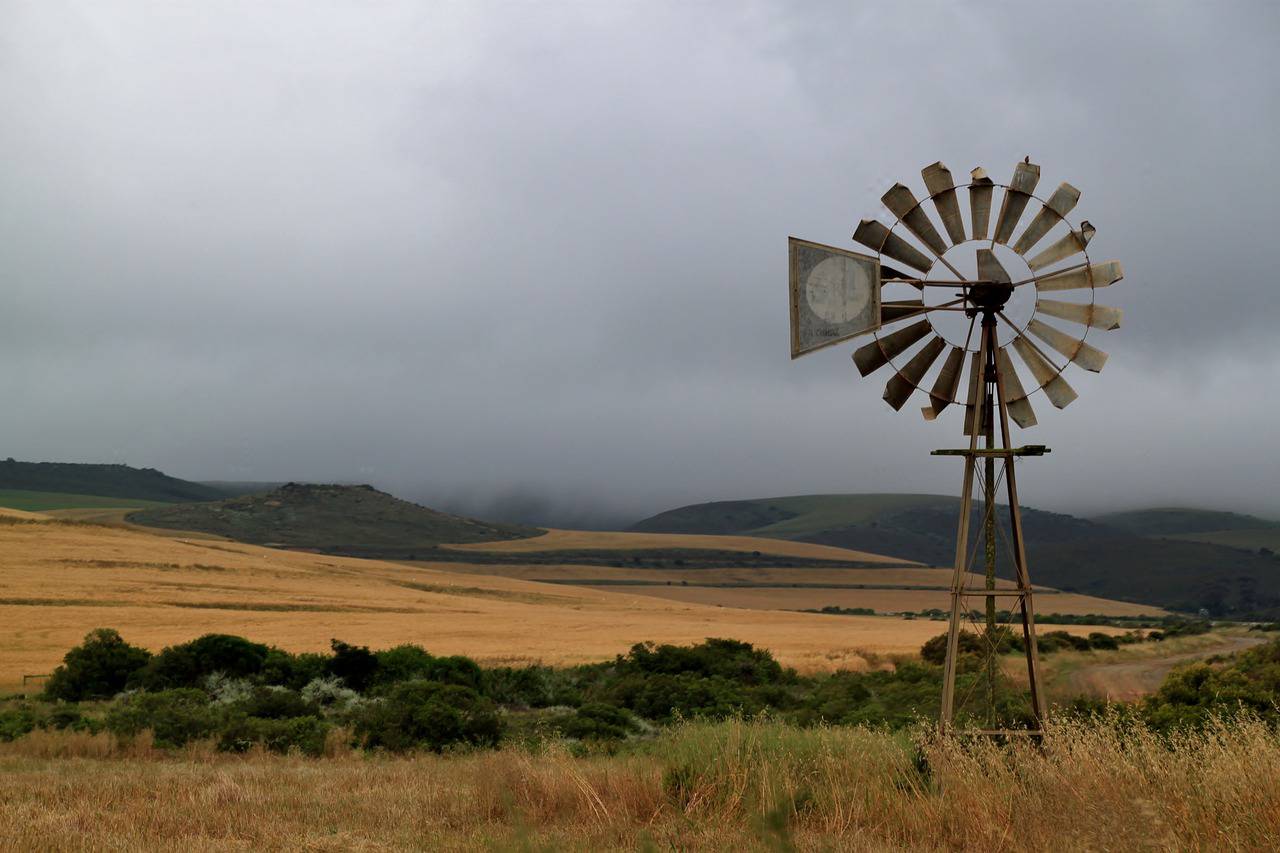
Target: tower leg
988	396
959	575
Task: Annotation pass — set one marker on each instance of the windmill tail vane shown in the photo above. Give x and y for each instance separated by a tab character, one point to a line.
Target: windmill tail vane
900	296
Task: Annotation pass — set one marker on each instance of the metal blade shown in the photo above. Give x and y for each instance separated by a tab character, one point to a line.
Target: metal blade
1016	402
899	388
1062	201
871	357
937	179
943	393
1059	392
1096	316
874	235
896	310
980	192
1025	177
990	268
1071	243
1101	275
975	389
1073	349
902	202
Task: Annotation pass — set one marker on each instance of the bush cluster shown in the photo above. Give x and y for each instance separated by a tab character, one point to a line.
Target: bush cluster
243	695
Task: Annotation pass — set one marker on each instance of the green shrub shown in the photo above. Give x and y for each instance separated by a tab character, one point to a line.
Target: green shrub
68	716
16	722
597	721
428	715
174	717
409	662
1099	640
664	697
533	686
355	665
275	703
293	671
98	668
188	664
729	659
304	734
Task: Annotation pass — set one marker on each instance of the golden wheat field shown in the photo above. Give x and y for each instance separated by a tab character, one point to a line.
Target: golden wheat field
881	600
59	580
738	785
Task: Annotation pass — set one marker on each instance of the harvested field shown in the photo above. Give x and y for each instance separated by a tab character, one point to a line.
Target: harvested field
803	588
60	580
880	600
576	540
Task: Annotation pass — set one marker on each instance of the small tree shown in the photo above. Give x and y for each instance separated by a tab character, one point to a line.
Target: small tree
98	668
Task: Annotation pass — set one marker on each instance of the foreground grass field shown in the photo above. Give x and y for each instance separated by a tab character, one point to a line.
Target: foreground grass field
738	785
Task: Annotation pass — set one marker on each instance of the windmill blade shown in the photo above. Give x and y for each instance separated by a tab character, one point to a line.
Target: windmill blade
1016	402
938	181
899	308
1025	177
1094	316
1073	349
1059	392
1071	243
874	235
902	202
975	390
1063	200
990	268
980	192
1101	275
899	388
871	357
945	385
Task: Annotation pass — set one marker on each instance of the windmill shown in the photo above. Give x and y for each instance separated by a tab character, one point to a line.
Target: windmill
930	319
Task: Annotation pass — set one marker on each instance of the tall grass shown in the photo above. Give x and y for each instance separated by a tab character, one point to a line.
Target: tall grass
747	784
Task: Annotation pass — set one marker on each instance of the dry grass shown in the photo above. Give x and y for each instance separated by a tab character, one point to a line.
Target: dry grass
577	540
731	786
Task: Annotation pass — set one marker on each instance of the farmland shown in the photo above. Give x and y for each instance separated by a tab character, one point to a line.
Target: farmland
59	580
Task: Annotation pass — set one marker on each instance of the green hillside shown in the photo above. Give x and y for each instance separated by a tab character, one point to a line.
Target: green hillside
41	501
1182	522
1066	552
112	481
353	520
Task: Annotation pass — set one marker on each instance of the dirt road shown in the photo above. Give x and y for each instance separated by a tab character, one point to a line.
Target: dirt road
1131	680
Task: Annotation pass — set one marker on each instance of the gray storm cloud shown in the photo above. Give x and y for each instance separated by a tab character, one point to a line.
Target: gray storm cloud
533	256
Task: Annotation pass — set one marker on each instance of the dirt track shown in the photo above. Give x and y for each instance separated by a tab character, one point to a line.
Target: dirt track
1131	680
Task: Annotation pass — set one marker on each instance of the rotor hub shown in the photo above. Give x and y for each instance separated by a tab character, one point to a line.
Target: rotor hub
988	296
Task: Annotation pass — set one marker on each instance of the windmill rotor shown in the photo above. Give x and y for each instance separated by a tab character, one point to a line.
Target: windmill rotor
908	341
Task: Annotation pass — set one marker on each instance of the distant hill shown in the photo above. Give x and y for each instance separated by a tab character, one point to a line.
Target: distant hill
1180	522
353	520
1066	552
114	481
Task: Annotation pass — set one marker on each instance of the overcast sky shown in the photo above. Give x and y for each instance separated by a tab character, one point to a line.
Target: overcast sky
526	252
